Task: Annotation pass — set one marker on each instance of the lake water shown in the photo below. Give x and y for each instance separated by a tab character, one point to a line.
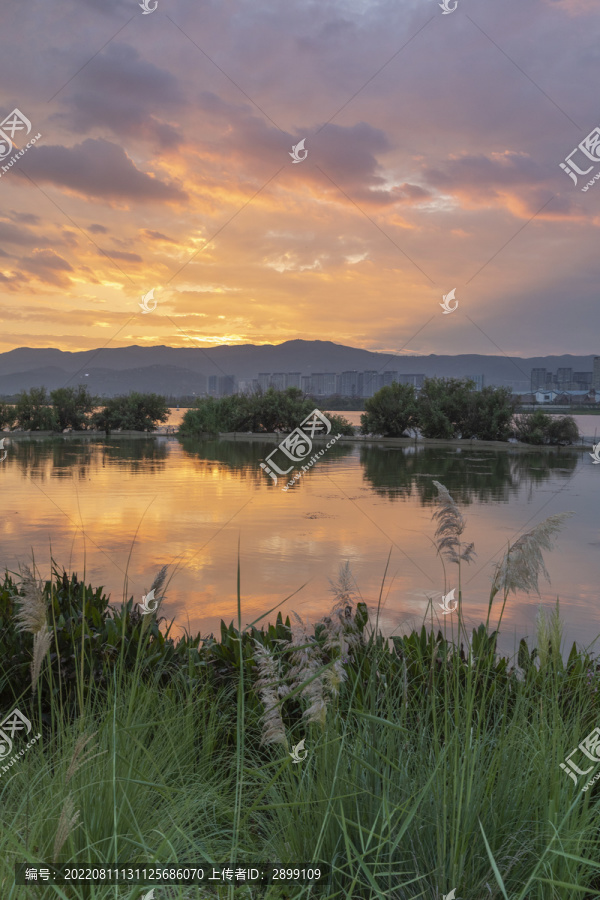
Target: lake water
192	502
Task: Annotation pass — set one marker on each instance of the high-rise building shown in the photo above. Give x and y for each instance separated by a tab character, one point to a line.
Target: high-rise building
596	378
306	384
538	379
212	385
264	380
415	380
368	383
582	380
564	377
347	384
478	379
292	379
388	378
278	381
226	385
323	384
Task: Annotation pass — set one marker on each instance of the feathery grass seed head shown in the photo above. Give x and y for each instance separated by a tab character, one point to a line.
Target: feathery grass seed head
66	823
523	562
451	526
42	640
31	615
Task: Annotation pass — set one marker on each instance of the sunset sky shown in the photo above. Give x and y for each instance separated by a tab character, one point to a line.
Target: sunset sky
434	143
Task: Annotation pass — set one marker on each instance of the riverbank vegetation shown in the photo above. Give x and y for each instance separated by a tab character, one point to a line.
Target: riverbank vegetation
450	408
75	409
262	411
430	761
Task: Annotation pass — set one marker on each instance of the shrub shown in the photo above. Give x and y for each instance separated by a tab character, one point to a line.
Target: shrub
540	428
563	430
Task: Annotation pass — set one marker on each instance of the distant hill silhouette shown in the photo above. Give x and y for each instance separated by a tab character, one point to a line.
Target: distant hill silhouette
184	370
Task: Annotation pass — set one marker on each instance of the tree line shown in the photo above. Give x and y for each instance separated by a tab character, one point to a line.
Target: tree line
77	409
447	408
262	411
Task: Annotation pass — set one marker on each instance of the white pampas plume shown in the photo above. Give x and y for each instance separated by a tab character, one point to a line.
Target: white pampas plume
268	686
41	644
31	615
341	632
306	662
523	562
451	526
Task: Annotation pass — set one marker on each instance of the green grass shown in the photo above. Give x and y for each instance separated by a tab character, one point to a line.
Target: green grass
431	772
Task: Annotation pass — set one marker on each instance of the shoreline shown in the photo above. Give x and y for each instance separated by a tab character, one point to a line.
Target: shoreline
275	437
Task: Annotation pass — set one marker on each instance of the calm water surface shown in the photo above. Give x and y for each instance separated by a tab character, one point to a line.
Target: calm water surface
82	501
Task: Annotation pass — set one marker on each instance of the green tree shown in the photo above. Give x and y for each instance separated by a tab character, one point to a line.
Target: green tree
8	415
132	412
33	411
212	415
72	406
391	411
443	407
489	414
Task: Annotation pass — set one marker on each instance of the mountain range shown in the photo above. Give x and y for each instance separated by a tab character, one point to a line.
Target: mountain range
184	370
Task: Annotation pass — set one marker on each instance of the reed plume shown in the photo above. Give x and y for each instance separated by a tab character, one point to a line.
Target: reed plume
66	824
80	755
523	562
450	528
270	688
306	662
41	644
31	616
342	635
